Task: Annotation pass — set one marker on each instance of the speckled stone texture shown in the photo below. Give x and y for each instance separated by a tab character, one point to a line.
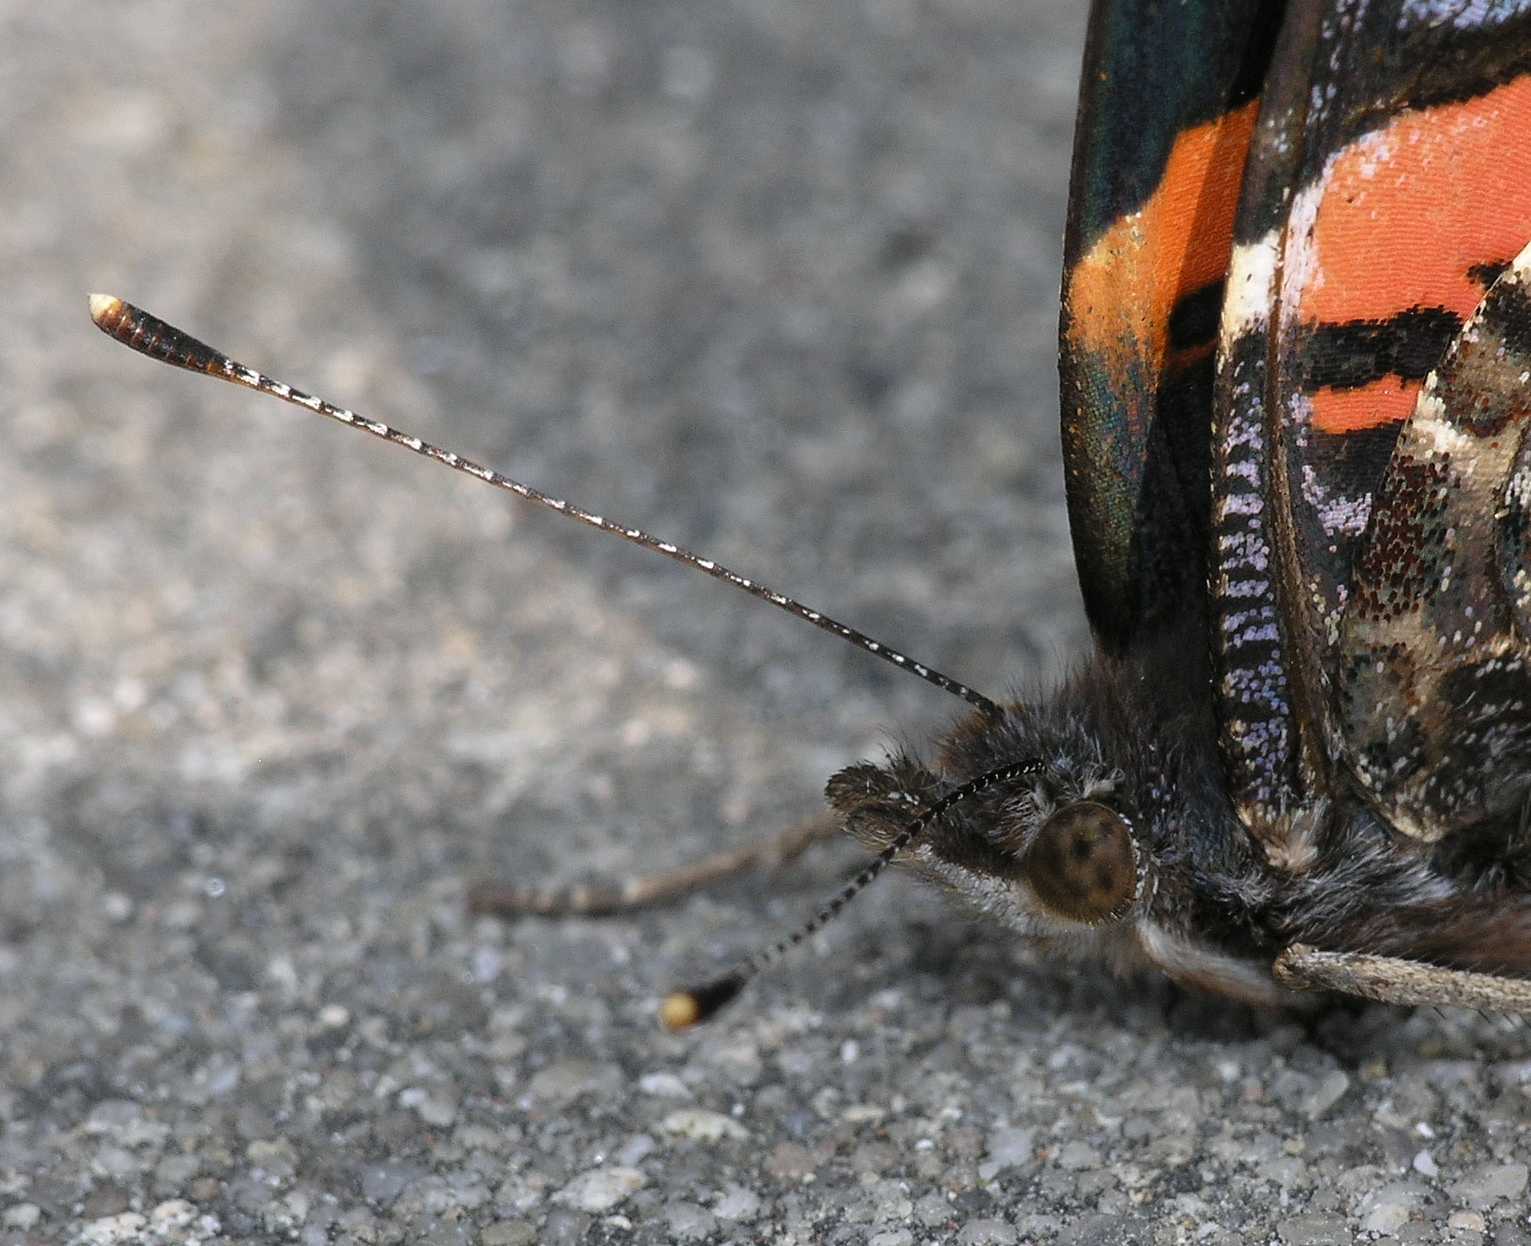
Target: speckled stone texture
776	279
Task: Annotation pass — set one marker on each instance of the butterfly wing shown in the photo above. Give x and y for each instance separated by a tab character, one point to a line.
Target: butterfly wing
1389	181
1433	687
1166	110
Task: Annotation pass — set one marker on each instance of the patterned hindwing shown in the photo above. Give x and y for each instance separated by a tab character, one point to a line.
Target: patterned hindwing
1389	182
1433	689
1167	105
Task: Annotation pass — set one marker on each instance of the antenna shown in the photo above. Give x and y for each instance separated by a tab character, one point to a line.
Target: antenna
150	336
681	1010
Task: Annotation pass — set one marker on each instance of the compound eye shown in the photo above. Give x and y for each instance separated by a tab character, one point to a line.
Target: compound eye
1083	864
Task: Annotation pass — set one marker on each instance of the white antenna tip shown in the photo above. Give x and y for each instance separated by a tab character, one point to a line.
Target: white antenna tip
104	307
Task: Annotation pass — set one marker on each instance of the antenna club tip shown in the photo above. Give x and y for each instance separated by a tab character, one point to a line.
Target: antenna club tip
679	1010
105	309
683	1009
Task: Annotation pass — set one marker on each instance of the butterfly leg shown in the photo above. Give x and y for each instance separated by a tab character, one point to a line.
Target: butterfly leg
1392	980
590	899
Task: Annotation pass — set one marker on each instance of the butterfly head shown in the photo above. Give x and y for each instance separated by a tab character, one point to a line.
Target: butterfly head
1055	853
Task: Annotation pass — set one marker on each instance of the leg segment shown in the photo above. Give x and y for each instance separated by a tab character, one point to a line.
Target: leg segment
590	899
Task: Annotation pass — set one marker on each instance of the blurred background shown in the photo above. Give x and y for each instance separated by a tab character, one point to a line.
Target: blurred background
776	281
773	281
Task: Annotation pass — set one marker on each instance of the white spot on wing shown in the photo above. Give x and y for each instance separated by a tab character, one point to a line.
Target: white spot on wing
1251	285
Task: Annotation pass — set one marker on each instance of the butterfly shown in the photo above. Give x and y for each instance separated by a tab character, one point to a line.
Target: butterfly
1295	358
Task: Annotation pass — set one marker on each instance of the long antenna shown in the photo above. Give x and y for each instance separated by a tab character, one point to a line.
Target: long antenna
681	1010
150	336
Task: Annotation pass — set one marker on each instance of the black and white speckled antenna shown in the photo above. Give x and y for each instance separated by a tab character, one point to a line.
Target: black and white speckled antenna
150	336
153	337
680	1010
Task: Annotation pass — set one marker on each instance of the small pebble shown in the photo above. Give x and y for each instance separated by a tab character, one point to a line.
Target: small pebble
124	1228
689	1222
737	1203
1006	1148
568	1080
1329	1091
987	1233
21	1216
703	1125
175	1213
334	1017
1489	1183
509	1233
664	1086
1078	1156
434	1107
1386	1218
601	1189
788	1161
383	1183
1313	1229
636	1149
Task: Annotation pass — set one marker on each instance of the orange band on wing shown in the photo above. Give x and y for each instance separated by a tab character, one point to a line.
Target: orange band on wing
1121	293
1384	401
1409	209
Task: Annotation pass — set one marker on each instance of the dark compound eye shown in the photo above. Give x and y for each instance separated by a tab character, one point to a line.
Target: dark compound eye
1083	864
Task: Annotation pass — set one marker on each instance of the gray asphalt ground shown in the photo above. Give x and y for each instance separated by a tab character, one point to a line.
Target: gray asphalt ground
776	279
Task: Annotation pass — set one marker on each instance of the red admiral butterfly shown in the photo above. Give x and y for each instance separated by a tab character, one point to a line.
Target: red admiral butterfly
1296	368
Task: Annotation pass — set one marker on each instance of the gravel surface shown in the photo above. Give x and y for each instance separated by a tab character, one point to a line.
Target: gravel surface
776	279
